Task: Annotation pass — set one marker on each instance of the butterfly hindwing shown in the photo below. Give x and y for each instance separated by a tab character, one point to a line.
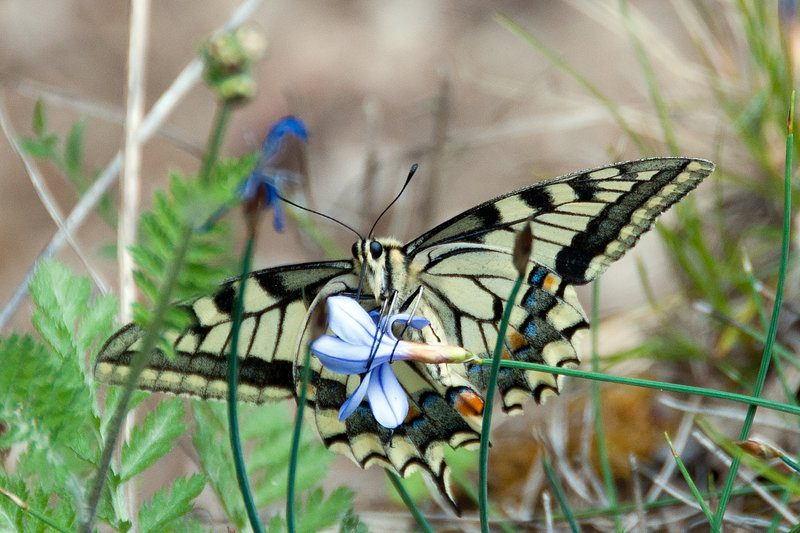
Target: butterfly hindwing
416	445
545	324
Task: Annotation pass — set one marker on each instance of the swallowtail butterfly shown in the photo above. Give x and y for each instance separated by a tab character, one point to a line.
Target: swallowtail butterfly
581	223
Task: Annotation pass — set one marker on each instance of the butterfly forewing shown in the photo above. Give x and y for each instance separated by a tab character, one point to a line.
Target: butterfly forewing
275	309
582	222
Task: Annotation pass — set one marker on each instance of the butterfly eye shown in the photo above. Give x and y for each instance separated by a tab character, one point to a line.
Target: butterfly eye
376	249
354	250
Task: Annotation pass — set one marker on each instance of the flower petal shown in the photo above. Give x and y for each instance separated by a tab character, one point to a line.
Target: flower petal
387	398
339	356
349	406
349	321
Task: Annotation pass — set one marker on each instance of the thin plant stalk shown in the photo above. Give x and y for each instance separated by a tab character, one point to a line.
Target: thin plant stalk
486	426
215	141
233	375
138	363
295	449
397	483
599	430
773	326
131	188
648	384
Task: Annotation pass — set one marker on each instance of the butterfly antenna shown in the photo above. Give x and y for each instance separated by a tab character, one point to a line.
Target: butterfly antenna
323	215
408	180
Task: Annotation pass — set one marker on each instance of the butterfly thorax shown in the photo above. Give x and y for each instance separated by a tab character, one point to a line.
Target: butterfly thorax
385	268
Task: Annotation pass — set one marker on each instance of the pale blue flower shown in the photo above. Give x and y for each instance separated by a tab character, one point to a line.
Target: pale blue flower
366	345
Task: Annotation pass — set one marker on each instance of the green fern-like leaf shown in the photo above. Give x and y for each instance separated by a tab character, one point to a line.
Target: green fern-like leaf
267	431
152	439
319	512
213	448
48	401
164	511
316	512
188	202
351	523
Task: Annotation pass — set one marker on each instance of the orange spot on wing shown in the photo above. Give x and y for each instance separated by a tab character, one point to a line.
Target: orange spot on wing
413	413
516	341
468	403
550	283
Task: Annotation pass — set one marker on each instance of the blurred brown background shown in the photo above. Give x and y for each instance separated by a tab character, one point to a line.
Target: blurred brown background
441	83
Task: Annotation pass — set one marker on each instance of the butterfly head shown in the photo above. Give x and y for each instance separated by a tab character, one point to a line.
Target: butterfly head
381	265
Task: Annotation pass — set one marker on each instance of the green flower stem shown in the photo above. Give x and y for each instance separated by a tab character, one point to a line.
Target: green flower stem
486	426
560	496
138	364
599	429
295	450
401	490
215	140
773	325
233	379
649	384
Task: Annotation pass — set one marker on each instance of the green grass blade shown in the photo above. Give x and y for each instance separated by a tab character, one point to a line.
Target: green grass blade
773	326
486	426
697	495
599	430
560	496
